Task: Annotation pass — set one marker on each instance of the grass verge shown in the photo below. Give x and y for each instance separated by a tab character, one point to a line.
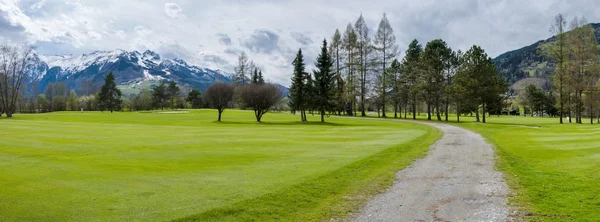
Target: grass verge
329	197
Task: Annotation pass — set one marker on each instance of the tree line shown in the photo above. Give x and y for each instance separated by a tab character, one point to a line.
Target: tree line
58	96
19	94
357	71
577	70
248	91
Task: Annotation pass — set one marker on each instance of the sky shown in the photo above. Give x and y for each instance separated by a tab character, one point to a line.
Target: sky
213	33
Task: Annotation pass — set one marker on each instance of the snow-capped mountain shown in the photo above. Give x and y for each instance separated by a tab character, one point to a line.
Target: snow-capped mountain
130	68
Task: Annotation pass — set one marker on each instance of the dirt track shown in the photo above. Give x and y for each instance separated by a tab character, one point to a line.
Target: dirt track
456	181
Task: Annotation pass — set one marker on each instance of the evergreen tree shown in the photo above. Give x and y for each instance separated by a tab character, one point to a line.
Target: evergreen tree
195	98
452	66
411	73
297	92
159	95
260	78
173	93
479	80
110	96
324	81
72	102
255	76
309	93
434	61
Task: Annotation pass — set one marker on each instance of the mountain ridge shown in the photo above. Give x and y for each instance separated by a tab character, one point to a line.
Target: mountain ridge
527	61
131	69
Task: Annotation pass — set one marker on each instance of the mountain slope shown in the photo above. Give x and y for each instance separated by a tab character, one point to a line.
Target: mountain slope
130	69
528	62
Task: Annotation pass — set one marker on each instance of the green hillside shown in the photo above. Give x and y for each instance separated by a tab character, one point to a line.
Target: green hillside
528	62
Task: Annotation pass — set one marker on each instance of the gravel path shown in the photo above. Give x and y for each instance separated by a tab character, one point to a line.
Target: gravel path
456	181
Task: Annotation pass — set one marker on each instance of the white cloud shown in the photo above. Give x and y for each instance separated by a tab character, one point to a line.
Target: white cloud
272	31
173	10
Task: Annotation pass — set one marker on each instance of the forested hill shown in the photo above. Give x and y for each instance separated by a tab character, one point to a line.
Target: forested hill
528	62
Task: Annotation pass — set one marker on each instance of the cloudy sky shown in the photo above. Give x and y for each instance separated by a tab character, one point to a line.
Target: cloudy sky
212	33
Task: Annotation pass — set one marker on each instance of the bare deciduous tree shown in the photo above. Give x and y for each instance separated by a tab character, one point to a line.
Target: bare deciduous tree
219	96
13	61
260	97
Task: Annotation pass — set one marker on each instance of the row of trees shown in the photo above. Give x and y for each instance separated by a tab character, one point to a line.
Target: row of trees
250	91
577	70
538	102
355	69
58	97
255	94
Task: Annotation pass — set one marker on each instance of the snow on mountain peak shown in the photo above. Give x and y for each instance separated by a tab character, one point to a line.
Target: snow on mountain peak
151	56
70	63
127	66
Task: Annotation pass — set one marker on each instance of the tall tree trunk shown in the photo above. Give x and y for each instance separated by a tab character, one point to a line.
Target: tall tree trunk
591	115
458	112
446	108
437	108
477	114
560	95
405	109
220	111
414	109
322	115
395	109
362	105
428	111
483	111
569	108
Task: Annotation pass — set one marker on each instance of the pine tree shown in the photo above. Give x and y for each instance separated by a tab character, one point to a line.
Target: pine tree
110	95
260	78
452	66
159	95
173	92
309	93
434	63
411	73
195	99
479	80
297	90
324	81
255	76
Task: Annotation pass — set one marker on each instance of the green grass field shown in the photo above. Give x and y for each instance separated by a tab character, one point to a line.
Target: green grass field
553	169
72	166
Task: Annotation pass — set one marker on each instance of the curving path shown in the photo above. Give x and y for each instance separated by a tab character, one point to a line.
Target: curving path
456	181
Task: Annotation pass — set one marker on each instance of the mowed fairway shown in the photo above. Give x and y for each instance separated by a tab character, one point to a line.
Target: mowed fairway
96	166
553	169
